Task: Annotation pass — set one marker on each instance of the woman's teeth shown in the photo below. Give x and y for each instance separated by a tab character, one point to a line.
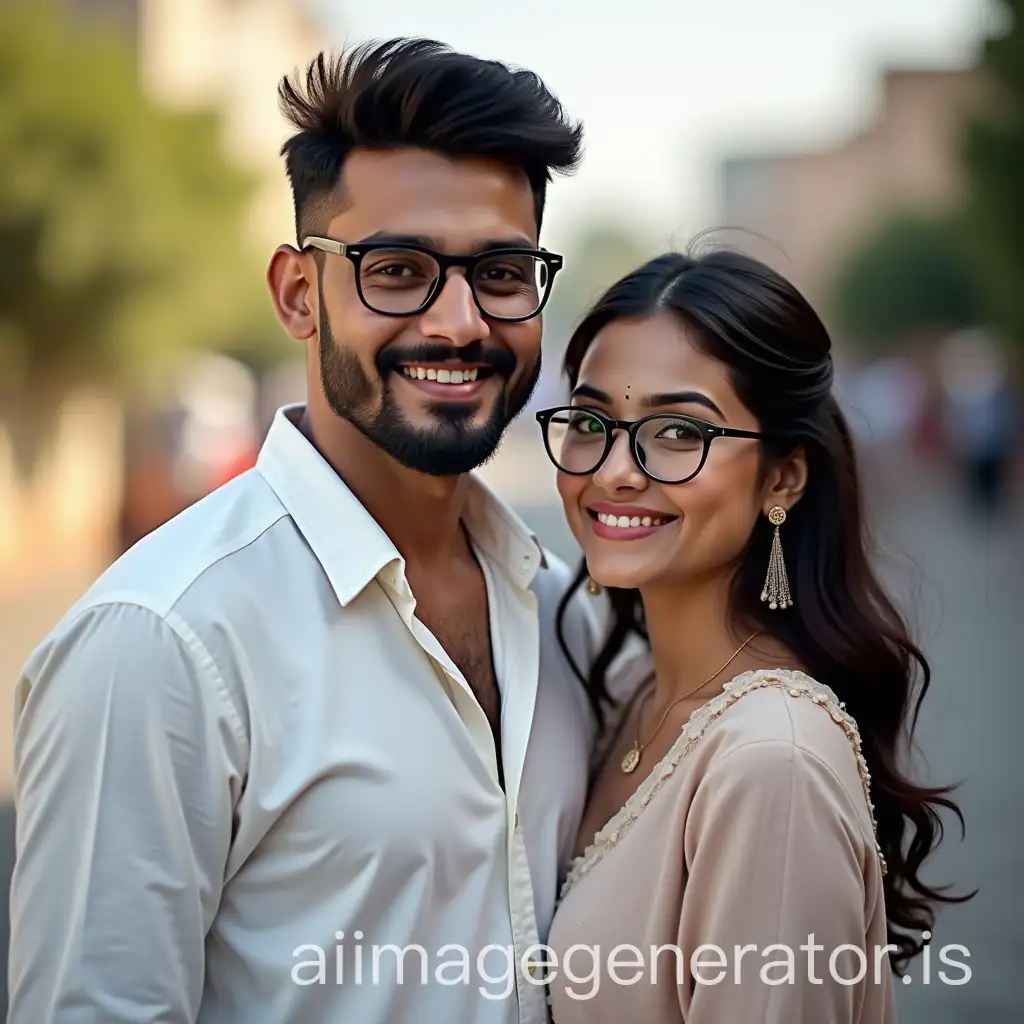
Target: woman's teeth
441	376
624	521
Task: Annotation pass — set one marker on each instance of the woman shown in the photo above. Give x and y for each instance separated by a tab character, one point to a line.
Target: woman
751	794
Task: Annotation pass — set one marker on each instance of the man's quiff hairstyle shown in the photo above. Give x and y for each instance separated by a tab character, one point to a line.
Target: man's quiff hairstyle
417	93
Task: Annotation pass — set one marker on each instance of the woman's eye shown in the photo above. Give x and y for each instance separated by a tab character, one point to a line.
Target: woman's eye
679	432
583	423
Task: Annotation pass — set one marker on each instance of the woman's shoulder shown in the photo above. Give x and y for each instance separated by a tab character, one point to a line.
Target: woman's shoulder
779	711
783	706
774	725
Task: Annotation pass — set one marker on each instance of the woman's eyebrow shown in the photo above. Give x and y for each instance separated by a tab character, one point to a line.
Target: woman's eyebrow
586	391
653	401
680	398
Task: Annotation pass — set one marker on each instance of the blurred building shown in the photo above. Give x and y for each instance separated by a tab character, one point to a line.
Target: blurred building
227	56
110	474
813	207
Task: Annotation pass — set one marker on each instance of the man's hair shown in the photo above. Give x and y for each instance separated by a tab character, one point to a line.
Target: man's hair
418	93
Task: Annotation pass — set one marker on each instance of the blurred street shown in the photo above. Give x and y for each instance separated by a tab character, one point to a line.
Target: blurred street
965	581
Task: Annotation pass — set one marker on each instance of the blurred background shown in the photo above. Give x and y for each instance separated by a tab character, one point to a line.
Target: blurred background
873	152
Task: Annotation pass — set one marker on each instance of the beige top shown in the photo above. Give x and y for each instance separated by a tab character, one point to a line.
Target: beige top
755	830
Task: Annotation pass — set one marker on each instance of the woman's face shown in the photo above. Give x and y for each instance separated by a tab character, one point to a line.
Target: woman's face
697	529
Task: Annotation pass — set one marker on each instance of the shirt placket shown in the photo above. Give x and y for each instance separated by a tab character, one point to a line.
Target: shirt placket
515	646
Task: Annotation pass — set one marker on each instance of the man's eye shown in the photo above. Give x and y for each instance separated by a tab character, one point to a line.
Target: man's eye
393	269
500	274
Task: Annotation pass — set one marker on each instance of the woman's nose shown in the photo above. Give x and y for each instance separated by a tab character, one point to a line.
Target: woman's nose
619	471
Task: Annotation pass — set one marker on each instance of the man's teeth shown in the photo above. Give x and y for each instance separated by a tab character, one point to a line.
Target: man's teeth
441	376
624	521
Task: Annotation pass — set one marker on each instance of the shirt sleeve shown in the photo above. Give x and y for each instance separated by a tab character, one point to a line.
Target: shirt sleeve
128	762
774	853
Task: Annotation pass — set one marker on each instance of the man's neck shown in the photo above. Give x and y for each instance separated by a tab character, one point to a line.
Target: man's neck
421	514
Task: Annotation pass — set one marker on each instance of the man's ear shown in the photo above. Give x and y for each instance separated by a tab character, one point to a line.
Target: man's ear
293	291
785	481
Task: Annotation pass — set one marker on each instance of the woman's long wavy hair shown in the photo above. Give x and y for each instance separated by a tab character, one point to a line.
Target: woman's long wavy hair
843	628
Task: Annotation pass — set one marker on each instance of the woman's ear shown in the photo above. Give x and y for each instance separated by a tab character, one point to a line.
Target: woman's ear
785	481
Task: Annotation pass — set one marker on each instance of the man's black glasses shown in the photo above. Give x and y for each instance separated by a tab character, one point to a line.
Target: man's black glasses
402	280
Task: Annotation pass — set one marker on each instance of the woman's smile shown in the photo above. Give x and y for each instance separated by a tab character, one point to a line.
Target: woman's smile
611	521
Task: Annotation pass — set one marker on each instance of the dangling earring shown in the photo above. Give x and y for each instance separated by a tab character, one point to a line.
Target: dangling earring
593	587
776	584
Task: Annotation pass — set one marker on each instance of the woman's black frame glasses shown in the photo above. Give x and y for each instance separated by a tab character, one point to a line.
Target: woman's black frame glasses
708	432
356	251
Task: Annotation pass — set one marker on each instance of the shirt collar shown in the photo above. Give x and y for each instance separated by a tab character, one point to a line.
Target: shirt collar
346	539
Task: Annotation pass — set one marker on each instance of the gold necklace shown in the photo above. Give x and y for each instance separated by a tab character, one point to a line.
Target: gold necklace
632	758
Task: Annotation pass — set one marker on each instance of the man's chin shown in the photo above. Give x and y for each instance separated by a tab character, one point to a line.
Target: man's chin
450	462
445	451
436	437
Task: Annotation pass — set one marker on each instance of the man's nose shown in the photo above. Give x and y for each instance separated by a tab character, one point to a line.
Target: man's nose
454	315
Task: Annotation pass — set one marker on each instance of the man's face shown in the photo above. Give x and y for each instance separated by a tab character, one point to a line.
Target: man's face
370	363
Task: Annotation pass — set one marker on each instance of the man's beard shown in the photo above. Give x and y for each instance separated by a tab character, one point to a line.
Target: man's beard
455	445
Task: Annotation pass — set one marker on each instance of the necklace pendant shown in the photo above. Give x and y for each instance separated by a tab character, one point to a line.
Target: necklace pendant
631	760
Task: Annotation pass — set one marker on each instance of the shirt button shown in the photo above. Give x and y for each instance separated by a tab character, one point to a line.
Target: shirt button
516	821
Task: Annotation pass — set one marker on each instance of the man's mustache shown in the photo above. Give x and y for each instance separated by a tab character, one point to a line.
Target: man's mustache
500	360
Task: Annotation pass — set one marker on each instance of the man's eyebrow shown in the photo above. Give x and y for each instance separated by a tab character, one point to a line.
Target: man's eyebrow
427	242
511	242
393	238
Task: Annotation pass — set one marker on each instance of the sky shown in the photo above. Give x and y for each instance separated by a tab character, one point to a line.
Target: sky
666	88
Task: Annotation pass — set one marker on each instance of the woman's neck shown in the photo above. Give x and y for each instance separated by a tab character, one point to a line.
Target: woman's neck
692	636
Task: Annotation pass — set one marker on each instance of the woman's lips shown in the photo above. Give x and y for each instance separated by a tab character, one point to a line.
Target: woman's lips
627	522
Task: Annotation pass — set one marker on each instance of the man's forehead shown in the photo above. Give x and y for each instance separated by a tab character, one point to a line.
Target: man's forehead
411	166
416	193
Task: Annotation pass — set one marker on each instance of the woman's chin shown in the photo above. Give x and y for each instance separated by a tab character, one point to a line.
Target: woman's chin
620	577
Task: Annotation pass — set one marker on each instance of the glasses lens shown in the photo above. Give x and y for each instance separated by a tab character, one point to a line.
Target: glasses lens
512	285
397	280
670	447
576	439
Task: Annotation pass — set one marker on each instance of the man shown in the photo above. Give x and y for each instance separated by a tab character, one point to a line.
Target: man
311	751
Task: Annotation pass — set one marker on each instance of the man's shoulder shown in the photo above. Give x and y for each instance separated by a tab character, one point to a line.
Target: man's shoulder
196	550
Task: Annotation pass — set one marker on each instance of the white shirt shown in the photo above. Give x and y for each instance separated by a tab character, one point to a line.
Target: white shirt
242	743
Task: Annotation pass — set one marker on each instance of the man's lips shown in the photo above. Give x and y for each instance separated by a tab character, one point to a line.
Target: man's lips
450	372
451	379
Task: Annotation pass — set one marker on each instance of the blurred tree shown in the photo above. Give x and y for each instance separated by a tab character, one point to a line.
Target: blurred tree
121	225
994	153
911	276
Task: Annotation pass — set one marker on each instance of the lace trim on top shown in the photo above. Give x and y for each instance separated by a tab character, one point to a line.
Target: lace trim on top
798	684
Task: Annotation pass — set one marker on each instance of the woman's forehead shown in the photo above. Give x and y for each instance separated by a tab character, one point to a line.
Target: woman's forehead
651	355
